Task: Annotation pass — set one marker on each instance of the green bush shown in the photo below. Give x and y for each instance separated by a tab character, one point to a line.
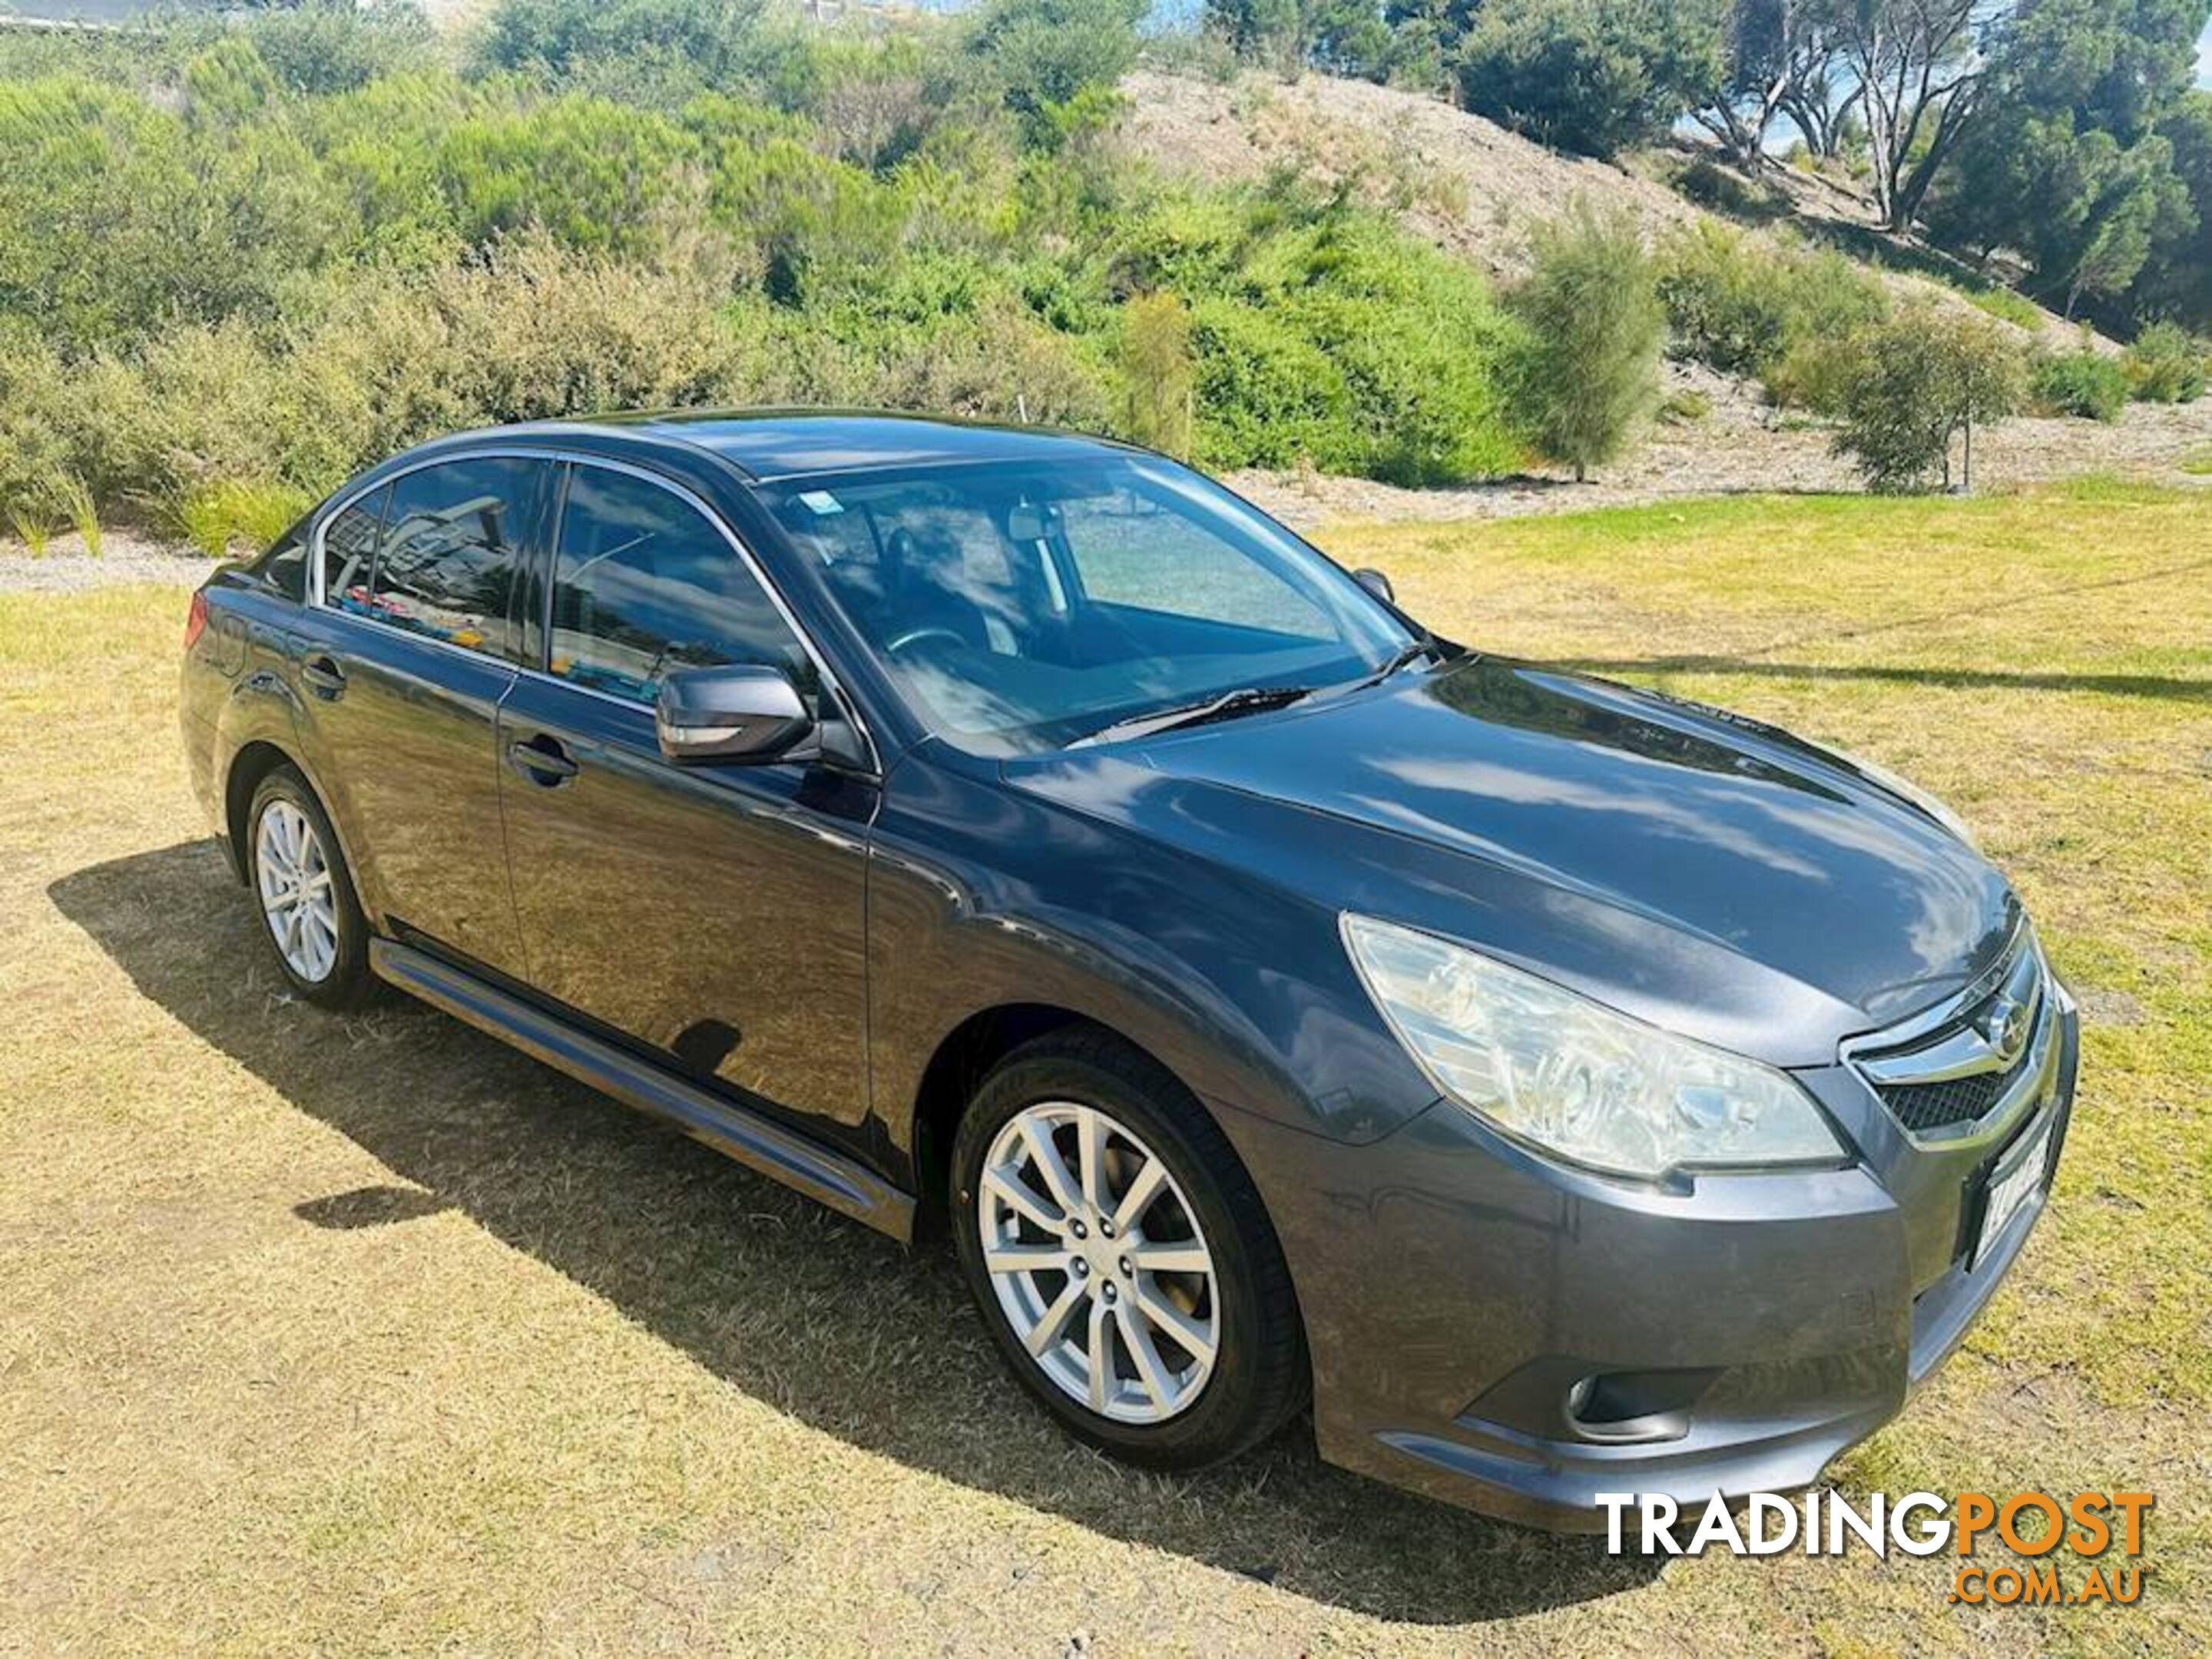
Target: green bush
1740	306
1045	56
2166	364
699	43
1727	299
2087	384
230	514
1914	383
1586	367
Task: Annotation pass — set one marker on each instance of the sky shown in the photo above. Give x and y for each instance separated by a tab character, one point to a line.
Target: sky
2204	59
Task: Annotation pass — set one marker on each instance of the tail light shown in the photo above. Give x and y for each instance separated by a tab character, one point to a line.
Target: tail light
195	621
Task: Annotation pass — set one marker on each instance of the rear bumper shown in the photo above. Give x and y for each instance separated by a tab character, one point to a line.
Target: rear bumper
1743	1333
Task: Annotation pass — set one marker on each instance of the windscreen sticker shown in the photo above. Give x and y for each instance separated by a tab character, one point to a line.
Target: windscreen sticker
821	503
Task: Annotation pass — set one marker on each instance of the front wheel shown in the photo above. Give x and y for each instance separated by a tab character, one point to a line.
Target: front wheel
1121	1258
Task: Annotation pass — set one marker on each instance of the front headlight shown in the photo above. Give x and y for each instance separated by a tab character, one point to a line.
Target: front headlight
1573	1078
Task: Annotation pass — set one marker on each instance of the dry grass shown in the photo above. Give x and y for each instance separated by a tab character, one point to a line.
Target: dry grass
370	1336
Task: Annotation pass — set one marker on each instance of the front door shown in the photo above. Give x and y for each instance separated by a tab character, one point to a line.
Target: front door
715	914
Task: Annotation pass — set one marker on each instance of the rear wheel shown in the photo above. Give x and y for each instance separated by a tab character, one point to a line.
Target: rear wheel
308	906
1121	1258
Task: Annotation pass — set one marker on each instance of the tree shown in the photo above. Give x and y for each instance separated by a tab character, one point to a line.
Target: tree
2176	280
1340	37
1591	75
1916	382
1820	98
1758	69
1918	68
2064	162
1585	371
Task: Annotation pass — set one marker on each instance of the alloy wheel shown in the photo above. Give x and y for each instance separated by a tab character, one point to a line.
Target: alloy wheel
297	897
1098	1262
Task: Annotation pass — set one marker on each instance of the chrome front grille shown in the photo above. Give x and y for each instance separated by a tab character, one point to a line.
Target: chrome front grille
1945	1075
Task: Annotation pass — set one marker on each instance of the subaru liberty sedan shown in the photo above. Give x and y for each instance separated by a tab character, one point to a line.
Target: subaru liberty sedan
1565	1088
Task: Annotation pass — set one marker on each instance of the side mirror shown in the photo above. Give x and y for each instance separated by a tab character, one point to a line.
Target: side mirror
1377	584
740	714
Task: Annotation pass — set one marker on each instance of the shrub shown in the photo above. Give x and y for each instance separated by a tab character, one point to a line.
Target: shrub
234	513
1157	377
1593	76
1043	55
74	497
1266	396
322	47
2166	364
1727	299
1740	307
1916	382
1586	369
2087	384
702	42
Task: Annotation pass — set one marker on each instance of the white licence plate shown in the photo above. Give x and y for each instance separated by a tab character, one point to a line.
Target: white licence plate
2013	1184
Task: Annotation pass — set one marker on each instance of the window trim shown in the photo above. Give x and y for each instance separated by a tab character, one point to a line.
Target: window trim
830	680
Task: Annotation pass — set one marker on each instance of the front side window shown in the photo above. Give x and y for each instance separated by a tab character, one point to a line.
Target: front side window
1021	606
455	544
644	584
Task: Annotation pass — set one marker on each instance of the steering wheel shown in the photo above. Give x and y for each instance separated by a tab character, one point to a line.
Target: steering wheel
915	636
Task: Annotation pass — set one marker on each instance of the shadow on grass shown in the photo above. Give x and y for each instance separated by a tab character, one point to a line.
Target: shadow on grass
779	1298
2118	685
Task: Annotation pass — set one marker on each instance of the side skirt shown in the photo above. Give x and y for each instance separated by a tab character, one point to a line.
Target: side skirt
753	1139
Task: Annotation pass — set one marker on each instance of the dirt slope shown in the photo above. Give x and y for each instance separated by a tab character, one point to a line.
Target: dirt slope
1465	183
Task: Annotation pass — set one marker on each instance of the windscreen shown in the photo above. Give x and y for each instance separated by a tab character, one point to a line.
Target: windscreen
1023	606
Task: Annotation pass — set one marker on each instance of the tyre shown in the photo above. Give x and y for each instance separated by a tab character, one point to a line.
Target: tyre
1121	1256
312	918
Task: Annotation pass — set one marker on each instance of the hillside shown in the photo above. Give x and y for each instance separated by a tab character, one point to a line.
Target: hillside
1473	188
1466	183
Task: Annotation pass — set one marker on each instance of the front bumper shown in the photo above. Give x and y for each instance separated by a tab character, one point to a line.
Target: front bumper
1742	1331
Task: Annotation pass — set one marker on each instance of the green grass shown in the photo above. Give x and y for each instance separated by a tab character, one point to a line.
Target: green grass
369	1335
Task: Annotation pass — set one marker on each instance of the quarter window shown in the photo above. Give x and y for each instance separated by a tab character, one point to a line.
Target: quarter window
643	586
349	550
455	543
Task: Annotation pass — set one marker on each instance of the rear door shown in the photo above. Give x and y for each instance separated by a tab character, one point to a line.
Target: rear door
401	669
713	914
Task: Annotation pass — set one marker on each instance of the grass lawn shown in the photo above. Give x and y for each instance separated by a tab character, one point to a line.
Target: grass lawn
371	1335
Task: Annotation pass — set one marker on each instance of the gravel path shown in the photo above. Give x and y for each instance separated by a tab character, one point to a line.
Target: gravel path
125	557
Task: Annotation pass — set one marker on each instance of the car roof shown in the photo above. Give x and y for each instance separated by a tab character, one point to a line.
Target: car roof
772	445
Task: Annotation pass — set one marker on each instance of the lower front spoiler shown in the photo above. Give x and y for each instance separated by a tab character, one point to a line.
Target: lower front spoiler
1757	1428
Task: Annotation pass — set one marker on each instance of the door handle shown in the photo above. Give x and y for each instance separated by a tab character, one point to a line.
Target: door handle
542	760
324	676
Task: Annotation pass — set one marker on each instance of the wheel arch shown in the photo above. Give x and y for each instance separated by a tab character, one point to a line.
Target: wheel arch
254	762
962	1059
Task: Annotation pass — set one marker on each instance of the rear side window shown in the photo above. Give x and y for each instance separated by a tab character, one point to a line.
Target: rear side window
455	544
349	550
644	584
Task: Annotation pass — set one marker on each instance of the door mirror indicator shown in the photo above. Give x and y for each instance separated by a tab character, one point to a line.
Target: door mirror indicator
1375	583
726	715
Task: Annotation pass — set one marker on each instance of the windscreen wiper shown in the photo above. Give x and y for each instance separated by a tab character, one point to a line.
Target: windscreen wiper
1246	699
1406	656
